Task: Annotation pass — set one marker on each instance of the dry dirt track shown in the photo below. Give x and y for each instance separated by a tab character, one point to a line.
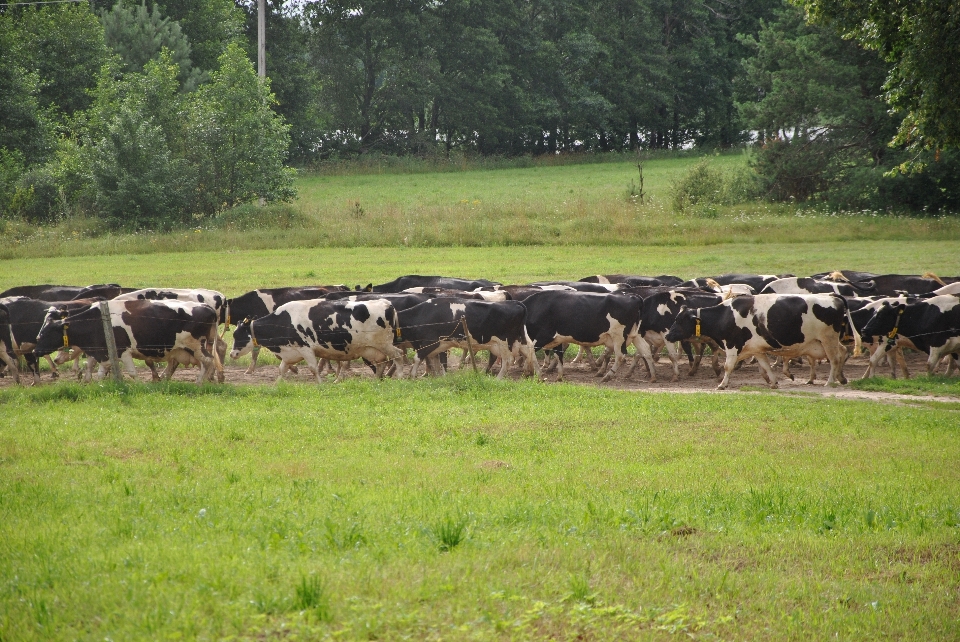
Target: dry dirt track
748	377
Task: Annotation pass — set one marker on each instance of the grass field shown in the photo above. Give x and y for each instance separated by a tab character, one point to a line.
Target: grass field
466	508
470	509
565	205
236	272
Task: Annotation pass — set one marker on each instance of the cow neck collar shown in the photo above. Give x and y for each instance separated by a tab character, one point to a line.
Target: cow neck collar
66	340
253	338
697	330
892	336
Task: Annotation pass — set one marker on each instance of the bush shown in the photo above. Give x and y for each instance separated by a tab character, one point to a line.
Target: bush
139	183
41	199
702	188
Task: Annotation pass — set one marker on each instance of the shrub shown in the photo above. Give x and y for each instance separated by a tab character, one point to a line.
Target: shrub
702	188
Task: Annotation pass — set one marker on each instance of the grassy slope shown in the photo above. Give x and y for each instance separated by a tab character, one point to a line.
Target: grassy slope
162	513
237	272
549	205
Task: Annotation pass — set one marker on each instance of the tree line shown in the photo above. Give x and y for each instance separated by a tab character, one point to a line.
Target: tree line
844	101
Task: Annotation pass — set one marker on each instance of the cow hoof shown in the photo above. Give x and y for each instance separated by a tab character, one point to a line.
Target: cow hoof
248	371
54	374
843	380
774	386
721	387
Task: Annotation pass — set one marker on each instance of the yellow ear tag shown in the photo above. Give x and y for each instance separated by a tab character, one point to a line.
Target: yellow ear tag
698	328
66	342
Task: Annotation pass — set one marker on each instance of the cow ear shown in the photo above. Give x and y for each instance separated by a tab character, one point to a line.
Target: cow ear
369	288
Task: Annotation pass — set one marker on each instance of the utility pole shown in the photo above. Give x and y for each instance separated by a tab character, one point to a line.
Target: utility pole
261	38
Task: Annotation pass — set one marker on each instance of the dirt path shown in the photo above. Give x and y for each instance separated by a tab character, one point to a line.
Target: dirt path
746	380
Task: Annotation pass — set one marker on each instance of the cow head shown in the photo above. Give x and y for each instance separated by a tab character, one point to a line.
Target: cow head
885	320
54	333
684	326
242	339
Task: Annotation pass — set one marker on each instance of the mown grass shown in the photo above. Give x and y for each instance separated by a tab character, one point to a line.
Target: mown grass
919	385
466	508
235	272
542	205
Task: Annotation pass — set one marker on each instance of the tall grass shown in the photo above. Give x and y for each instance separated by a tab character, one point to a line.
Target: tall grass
546	204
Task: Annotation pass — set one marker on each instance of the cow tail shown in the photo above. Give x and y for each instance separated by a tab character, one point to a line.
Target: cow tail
856	335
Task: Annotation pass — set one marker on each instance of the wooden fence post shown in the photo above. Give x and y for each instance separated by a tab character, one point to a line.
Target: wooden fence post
466	333
111	341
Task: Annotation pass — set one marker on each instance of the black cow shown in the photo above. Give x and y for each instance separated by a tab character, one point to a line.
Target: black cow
53	293
849	275
557	318
895	284
7	354
171	331
416	281
318	329
784	325
26	320
933	326
437	325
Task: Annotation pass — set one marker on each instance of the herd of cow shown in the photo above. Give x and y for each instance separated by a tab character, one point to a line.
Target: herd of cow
739	316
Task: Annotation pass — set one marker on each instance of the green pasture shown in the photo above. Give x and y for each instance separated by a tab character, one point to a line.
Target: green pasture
593	204
236	272
466	508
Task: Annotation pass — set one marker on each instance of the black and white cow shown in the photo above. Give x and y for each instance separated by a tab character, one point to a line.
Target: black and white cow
480	294
26	319
437	325
558	318
311	330
932	325
260	303
214	299
7	355
785	325
521	292
756	281
446	282
634	280
169	331
657	314
581	286
862	310
847	275
806	285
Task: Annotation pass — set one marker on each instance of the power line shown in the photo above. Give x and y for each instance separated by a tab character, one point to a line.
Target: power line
17	4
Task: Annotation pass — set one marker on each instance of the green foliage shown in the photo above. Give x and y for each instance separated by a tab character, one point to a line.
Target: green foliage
23	126
922	44
311	595
238	144
138	34
63	44
11	168
210	25
139	183
815	100
703	187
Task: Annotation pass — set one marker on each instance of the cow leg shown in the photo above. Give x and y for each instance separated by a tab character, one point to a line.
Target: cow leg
811	362
34	366
11	364
769	373
254	353
154	377
617	359
644	352
730	364
558	357
54	373
952	365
